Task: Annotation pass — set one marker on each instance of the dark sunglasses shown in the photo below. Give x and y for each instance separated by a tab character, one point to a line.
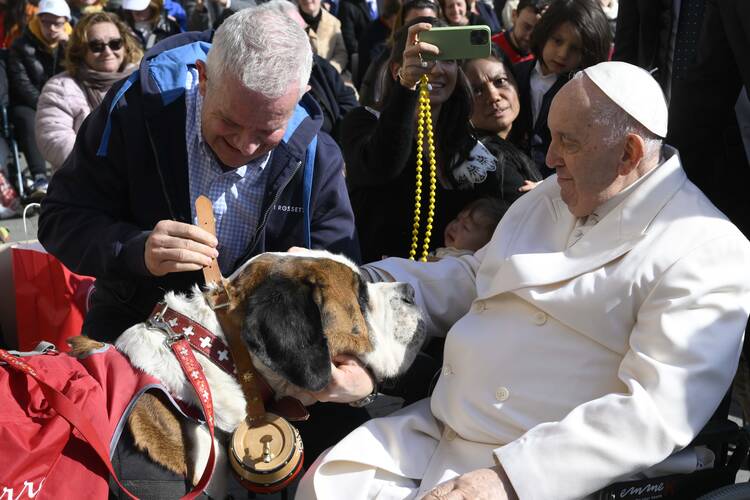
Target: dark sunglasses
97	46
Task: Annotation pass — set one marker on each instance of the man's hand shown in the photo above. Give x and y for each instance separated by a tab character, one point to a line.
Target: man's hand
176	247
350	381
480	484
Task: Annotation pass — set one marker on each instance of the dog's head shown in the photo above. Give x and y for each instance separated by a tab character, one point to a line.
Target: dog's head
297	311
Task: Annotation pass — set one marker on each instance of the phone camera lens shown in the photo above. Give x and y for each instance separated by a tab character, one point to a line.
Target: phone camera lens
479	37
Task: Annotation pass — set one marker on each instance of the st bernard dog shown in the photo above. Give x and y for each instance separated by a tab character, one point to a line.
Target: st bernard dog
298	312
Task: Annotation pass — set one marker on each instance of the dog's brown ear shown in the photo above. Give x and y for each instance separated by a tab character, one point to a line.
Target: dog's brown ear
283	329
338	295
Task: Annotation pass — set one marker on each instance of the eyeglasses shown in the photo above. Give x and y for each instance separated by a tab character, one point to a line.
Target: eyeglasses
97	46
52	24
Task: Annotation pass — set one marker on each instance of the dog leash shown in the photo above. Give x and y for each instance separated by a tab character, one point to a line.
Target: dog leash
76	418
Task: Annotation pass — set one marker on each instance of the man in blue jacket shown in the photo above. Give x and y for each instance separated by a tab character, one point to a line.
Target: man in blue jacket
232	123
230	120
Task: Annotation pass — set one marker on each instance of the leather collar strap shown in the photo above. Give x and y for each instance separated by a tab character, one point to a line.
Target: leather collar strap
246	374
205	211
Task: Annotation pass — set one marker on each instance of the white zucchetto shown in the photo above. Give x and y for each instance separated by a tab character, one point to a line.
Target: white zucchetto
635	91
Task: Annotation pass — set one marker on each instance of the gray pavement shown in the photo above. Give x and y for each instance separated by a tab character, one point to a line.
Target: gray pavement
16	226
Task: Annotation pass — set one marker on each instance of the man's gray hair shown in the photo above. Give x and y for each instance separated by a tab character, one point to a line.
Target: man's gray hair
263	48
618	123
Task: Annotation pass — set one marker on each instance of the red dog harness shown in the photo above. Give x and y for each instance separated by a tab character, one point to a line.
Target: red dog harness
44	458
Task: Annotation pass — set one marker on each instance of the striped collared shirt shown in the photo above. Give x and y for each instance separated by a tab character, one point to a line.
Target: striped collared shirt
236	194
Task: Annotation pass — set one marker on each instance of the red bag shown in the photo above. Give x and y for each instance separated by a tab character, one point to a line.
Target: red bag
43	397
51	301
60	415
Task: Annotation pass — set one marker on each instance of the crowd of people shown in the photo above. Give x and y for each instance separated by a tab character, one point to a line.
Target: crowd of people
60	58
299	121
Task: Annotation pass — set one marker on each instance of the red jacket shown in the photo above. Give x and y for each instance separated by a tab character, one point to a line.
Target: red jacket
44	459
502	40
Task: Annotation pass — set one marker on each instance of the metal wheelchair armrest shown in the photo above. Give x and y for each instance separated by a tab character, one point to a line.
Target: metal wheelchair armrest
722	437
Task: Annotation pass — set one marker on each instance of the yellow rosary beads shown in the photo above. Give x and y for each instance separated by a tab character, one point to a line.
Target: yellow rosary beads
424	121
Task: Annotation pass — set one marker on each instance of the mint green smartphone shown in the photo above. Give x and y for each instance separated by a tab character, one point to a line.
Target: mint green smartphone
458	42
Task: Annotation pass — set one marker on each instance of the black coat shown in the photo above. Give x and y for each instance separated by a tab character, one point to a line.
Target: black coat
335	98
164	28
702	120
354	16
533	138
642	35
380	156
514	166
372	43
30	65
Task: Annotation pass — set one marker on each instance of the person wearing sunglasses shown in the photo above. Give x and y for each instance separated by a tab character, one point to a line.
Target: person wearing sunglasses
35	57
100	52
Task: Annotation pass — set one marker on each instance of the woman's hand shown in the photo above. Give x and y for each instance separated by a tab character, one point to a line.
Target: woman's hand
528	186
413	64
350	381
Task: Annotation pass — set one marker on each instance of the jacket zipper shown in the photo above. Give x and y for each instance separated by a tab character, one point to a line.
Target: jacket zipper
158	170
262	225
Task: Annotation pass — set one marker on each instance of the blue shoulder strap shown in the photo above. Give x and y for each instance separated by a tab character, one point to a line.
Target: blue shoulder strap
102	151
307	187
169	72
297	118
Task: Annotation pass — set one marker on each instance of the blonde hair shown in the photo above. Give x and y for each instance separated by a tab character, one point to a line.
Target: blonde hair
78	45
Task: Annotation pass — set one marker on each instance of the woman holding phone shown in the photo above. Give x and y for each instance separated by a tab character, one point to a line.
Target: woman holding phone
380	150
496	106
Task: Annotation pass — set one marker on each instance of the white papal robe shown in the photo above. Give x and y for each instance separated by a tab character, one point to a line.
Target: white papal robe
571	366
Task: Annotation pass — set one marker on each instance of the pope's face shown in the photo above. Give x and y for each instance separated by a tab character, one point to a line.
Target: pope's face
241	125
587	170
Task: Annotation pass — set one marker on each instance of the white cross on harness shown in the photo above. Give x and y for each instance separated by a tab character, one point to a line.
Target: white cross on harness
188	331
195	374
172	322
205	342
223	355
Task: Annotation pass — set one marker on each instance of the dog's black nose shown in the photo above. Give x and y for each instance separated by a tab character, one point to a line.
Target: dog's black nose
408	293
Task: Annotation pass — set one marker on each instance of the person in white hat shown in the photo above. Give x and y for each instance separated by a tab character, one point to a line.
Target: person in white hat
149	21
592	338
33	58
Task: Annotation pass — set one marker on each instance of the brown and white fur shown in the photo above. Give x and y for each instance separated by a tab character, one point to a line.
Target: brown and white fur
378	322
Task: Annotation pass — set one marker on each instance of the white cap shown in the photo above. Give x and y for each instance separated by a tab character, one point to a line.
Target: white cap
55	7
635	91
135	4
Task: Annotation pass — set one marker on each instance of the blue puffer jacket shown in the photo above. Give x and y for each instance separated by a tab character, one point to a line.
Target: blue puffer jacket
128	171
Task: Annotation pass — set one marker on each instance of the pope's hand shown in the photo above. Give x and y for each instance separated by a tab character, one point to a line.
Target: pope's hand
175	247
480	484
350	381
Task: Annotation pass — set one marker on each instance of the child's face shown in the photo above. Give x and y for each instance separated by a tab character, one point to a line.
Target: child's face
465	232
563	50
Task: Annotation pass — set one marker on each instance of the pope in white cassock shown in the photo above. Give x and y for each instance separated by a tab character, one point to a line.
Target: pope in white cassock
593	336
